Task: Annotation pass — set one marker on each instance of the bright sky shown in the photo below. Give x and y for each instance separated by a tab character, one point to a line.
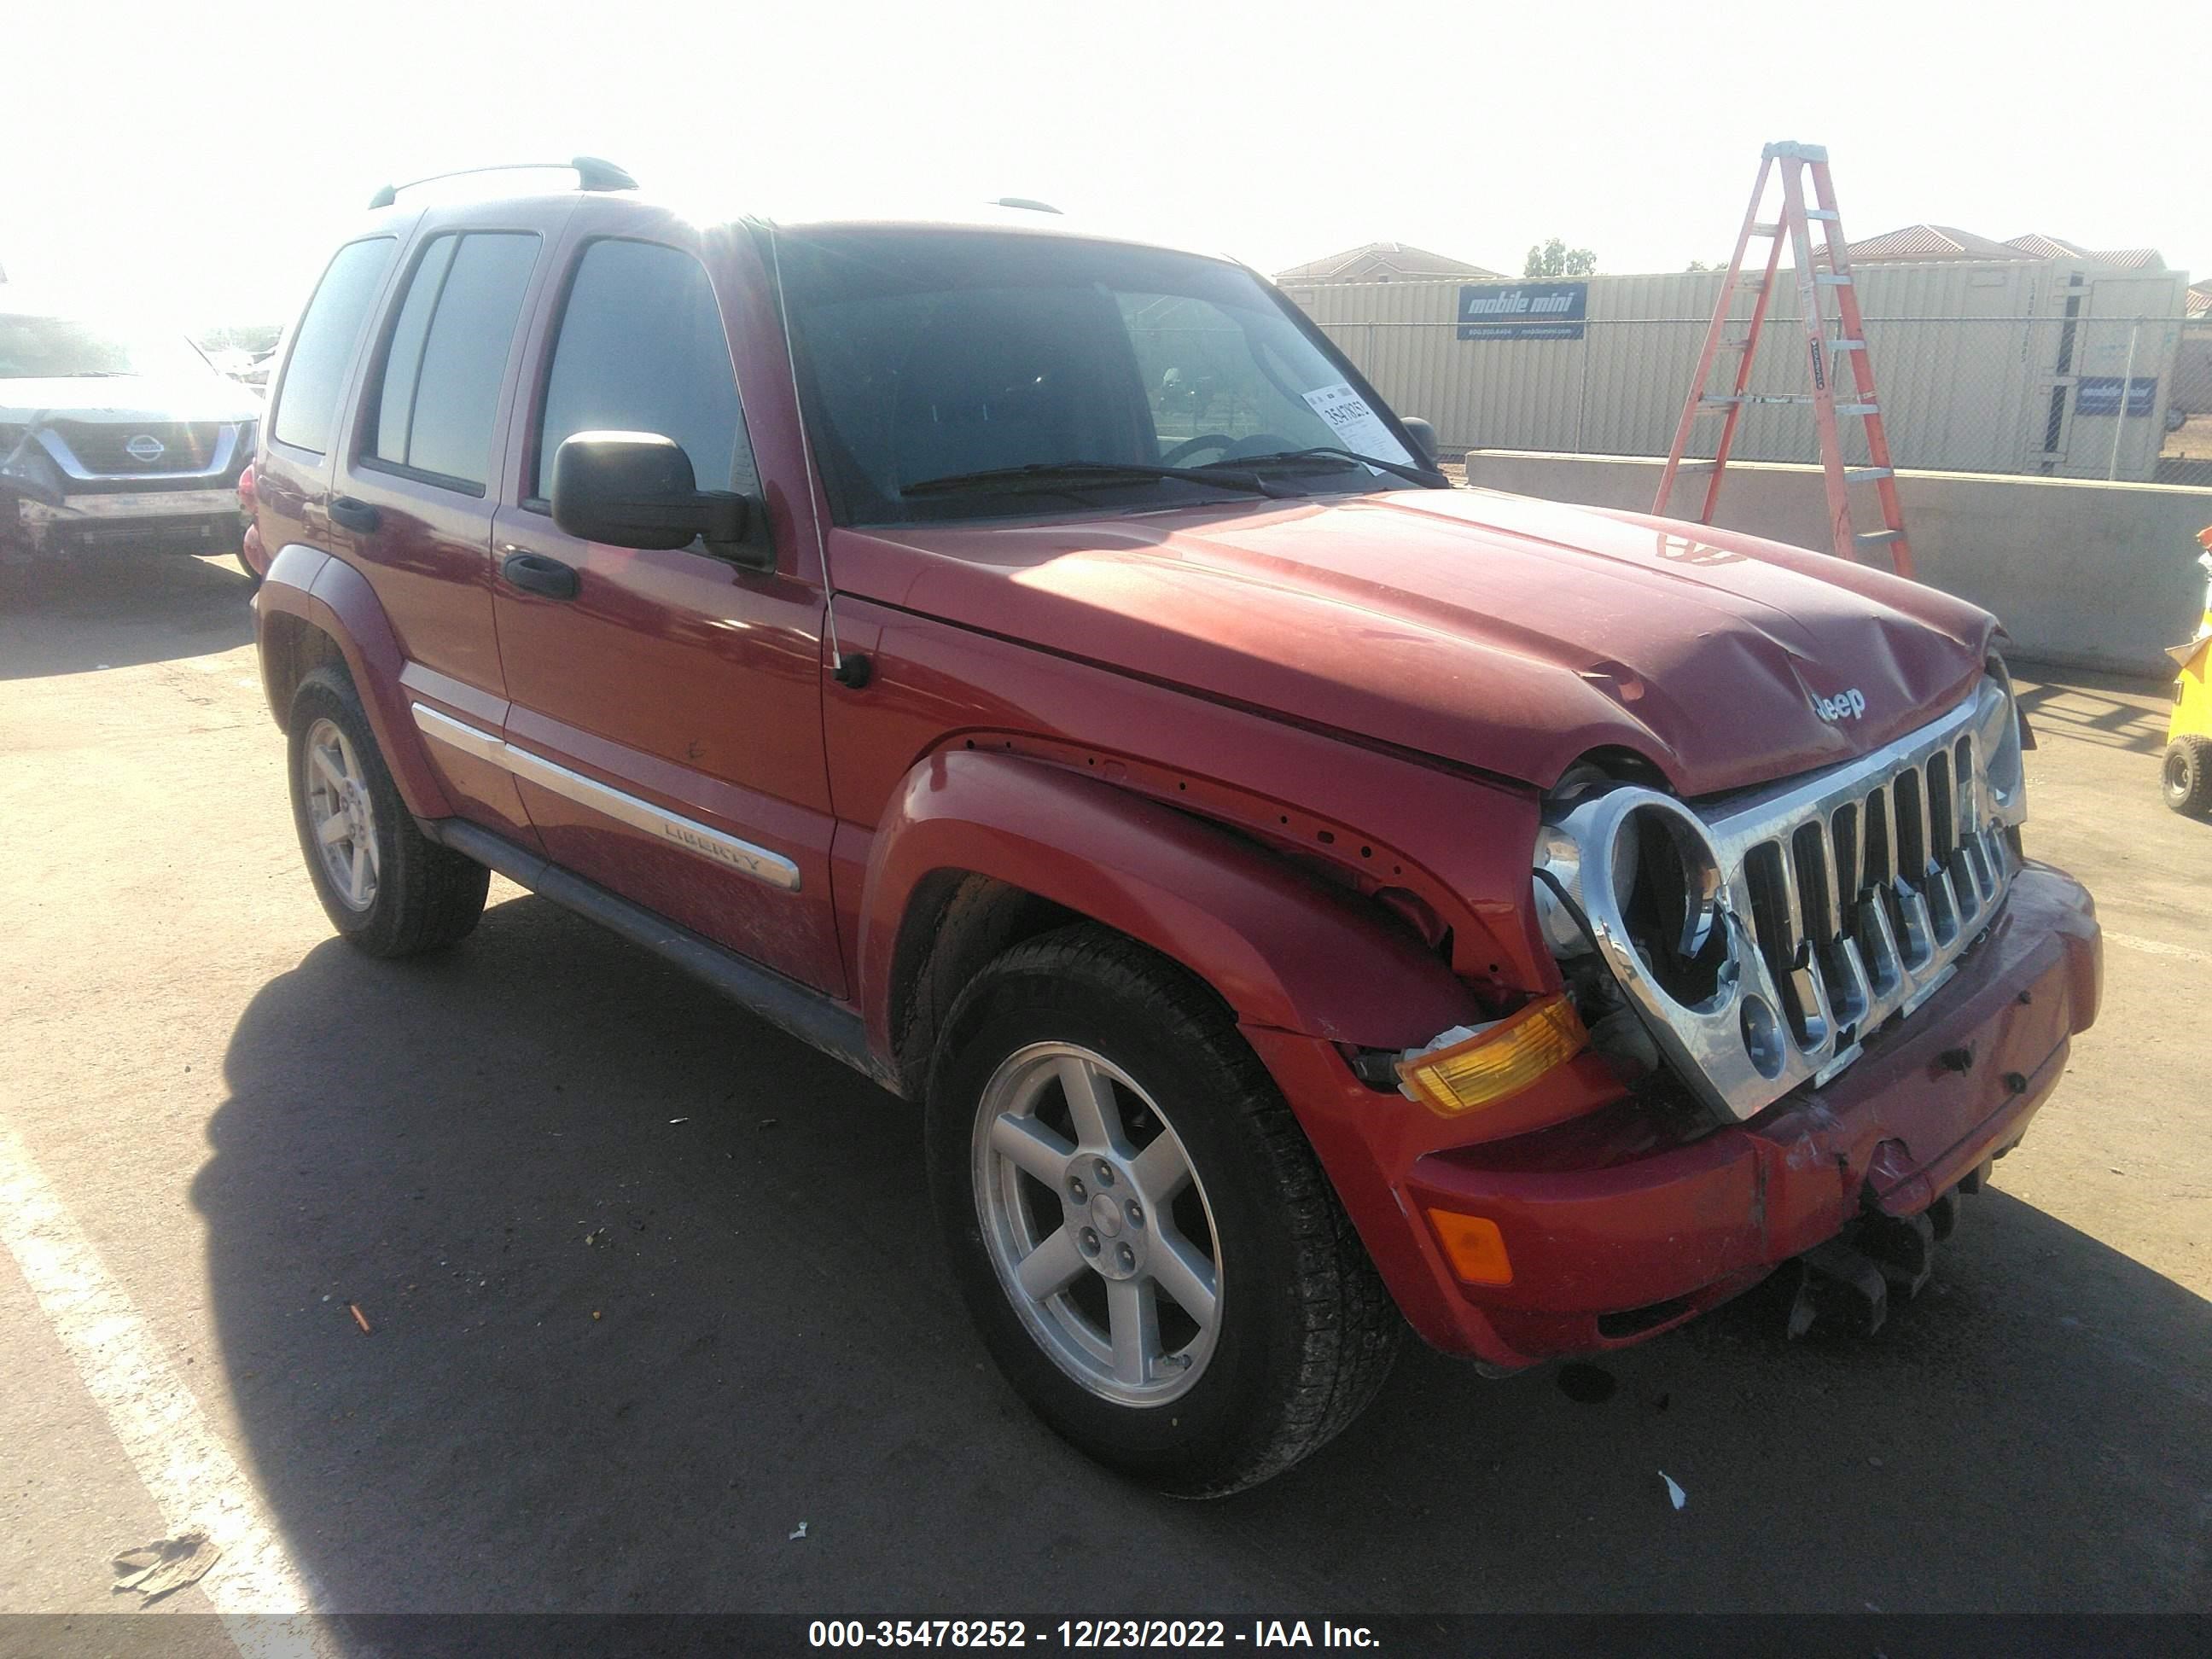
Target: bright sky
210	157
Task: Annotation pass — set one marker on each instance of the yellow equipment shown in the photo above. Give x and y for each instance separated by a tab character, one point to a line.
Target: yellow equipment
2187	774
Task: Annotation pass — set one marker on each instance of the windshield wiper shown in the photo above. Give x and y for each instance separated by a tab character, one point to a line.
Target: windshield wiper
1060	477
1332	459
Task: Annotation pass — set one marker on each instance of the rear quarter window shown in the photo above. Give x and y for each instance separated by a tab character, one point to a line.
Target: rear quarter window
439	389
323	347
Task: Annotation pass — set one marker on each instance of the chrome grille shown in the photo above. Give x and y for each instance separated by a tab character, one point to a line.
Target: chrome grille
1847	895
1852	906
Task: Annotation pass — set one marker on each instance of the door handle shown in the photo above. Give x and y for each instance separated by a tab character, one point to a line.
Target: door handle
358	516
533	573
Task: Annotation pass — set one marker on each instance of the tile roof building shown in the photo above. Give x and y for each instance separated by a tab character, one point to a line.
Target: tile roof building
1921	242
2056	247
1933	242
1380	262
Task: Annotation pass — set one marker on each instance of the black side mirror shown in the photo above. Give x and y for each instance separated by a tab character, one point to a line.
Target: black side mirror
637	490
1424	434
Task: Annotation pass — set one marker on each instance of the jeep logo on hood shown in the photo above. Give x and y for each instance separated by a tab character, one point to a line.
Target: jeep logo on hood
1843	706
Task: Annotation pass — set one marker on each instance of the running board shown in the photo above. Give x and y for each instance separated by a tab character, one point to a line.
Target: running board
812	1018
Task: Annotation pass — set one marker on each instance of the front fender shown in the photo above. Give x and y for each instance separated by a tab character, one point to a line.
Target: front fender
328	595
1284	948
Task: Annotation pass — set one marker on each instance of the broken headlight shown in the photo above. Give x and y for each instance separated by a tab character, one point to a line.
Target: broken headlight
1627	874
1997	745
1635	870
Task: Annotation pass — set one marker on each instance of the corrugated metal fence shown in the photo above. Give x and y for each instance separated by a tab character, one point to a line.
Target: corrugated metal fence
2028	367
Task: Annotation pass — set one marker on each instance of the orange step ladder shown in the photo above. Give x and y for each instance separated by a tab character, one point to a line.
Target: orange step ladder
1825	353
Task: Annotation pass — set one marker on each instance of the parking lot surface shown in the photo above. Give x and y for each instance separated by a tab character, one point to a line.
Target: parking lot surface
647	1285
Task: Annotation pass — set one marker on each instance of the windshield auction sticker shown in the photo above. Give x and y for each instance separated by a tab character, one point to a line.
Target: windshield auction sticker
1358	427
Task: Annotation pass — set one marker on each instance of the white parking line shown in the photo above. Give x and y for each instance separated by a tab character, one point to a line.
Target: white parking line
189	1472
2157	948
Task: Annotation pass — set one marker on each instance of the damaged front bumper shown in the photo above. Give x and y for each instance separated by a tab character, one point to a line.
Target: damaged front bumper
55	501
202	520
1611	1240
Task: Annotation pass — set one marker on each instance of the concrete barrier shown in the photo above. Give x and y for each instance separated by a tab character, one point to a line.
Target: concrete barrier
2083	574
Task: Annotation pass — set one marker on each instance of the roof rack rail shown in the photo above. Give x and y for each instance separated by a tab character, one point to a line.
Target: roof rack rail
592	173
1029	203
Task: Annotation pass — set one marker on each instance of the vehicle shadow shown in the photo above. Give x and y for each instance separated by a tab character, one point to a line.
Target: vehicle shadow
648	1286
2112	711
61	616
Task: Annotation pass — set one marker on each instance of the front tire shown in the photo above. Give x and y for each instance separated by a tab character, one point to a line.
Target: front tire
2186	775
1143	1236
388	888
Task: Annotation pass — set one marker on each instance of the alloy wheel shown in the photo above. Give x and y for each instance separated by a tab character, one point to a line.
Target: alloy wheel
1096	1224
341	816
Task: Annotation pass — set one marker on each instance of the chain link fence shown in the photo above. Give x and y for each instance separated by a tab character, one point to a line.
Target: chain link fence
2110	397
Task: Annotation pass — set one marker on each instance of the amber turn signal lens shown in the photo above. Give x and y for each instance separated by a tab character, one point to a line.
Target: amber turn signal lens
1496	1062
1473	1246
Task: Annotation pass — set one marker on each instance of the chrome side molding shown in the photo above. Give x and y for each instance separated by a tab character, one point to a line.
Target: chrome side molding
698	839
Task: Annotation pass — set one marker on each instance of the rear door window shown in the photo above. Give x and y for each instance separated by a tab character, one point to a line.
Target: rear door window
641	348
440	387
322	350
403	358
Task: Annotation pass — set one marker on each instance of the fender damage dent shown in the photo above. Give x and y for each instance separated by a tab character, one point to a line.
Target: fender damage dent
328	595
1285	949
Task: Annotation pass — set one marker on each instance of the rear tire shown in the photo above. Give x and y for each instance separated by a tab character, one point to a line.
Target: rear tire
386	887
1191	1211
2186	775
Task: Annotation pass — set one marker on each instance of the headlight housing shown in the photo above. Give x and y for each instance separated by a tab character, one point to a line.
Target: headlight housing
1997	744
1646	888
1761	936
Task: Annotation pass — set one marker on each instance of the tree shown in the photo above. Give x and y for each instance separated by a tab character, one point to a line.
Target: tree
1699	264
1556	259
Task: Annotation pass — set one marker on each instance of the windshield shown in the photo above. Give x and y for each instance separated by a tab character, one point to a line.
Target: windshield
941	357
64	347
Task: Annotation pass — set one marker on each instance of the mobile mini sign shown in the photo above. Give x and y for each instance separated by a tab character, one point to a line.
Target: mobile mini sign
2100	394
1526	311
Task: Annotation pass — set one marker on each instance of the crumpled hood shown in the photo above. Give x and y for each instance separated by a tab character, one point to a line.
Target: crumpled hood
1496	631
122	398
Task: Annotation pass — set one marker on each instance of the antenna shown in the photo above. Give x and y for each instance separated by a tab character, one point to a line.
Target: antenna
806	456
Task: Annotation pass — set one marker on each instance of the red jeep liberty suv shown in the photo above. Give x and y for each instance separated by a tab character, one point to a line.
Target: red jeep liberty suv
1305	899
